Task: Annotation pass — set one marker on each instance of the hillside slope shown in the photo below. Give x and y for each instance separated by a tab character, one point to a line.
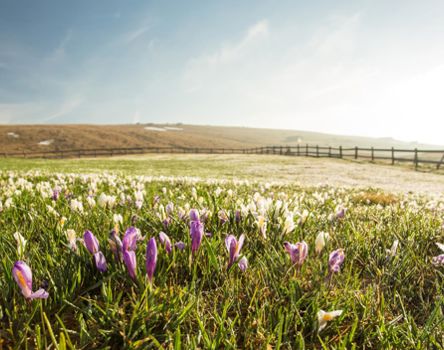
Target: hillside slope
64	137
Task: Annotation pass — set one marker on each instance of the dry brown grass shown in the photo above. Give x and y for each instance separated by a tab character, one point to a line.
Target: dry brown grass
376	198
68	137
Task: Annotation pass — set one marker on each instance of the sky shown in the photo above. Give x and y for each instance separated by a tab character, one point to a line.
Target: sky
357	67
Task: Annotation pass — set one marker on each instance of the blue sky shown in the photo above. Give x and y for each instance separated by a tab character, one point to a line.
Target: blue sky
373	68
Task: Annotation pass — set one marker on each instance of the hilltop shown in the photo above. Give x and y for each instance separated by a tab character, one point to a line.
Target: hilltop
65	137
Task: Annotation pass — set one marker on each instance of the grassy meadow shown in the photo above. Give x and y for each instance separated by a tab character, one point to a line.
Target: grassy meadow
388	288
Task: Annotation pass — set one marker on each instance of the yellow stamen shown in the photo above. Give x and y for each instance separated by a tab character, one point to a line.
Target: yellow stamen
21	280
327	317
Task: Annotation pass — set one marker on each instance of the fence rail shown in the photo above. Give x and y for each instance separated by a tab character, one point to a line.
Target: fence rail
414	156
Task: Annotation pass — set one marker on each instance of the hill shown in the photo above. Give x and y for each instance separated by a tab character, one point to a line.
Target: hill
65	137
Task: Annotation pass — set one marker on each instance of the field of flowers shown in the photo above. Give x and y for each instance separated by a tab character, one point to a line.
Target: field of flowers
114	261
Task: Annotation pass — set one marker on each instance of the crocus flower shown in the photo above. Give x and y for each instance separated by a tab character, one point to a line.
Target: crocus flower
194	215
324	317
166	222
129	245
238	216
234	246
92	244
129	258
23	276
223	216
151	258
72	239
243	264
165	240
169	208
298	252
117	219
21	243
439	260
335	260
288	224
130	238
196	232
180	245
320	241
340	213
392	251
262	224
115	244
55	195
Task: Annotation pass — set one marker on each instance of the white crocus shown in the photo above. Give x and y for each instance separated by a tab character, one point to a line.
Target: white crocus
324	317
289	223
320	241
72	239
118	219
392	251
262	224
21	243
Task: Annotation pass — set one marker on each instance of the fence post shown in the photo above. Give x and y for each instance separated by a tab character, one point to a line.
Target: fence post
306	150
373	154
440	162
298	150
415	160
340	151
356	152
329	151
281	151
317	151
393	156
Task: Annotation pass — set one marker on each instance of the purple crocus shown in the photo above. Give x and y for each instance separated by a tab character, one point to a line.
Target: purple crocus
196	232
194	215
23	276
298	252
238	216
243	264
55	195
180	245
234	246
438	260
223	216
129	245
151	258
92	244
335	260
340	213
115	243
130	238
166	222
165	240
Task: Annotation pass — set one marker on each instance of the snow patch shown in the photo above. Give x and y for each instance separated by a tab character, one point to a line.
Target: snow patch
45	142
173	128
13	135
153	128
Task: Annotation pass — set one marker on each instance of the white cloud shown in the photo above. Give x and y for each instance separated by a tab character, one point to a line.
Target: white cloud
59	53
135	34
67	106
199	69
338	36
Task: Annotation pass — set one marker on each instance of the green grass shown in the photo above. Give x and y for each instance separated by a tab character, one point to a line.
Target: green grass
387	303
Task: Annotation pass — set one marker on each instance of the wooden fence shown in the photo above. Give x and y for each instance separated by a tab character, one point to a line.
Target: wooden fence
392	155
